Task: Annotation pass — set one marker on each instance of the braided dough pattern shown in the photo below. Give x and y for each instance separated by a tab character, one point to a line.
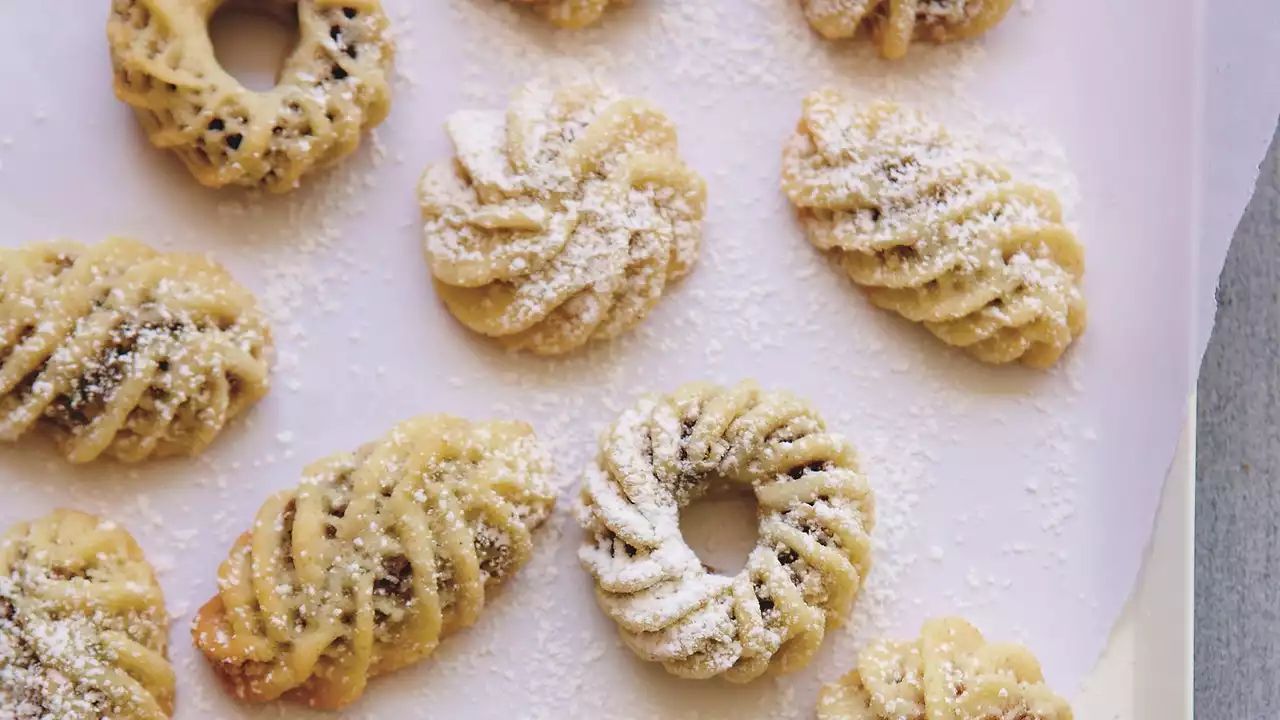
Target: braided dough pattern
816	513
570	14
950	673
333	86
118	349
563	221
376	556
83	627
893	24
935	234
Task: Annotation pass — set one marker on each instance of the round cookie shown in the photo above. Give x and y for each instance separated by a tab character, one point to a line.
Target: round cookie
83	626
815	515
562	221
949	672
333	86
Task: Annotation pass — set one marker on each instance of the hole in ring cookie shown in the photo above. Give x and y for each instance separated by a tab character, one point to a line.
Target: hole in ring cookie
721	526
252	43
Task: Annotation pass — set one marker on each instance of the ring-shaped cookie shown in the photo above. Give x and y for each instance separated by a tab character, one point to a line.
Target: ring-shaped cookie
332	87
816	513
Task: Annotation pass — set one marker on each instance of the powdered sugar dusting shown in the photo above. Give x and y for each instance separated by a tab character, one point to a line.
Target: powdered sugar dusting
364	343
725	323
561	221
82	624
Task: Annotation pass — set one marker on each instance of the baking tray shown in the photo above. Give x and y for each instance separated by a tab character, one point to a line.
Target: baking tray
1022	500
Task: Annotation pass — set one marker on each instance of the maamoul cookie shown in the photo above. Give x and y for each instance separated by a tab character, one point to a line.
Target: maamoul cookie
816	513
83	626
934	233
894	24
950	673
375	557
562	221
333	86
570	14
120	350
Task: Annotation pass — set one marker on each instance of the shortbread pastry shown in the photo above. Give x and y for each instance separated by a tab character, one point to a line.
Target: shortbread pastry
332	87
116	349
949	673
816	514
893	24
570	14
373	559
936	233
83	626
561	221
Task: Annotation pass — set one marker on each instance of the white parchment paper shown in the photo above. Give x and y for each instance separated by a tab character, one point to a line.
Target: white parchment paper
1019	499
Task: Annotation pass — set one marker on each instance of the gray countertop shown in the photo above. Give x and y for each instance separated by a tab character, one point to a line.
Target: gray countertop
1237	565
